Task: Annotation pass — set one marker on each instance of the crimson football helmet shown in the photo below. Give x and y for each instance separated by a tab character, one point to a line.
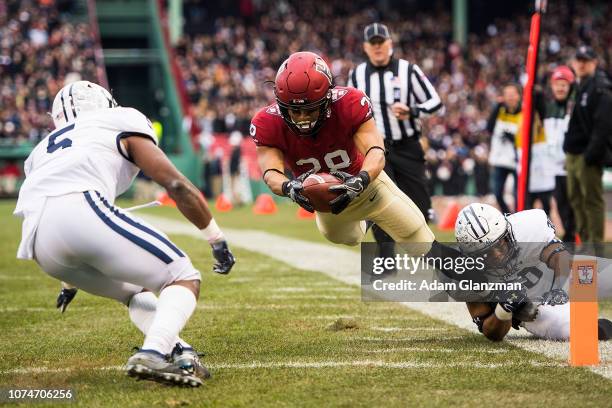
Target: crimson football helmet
303	86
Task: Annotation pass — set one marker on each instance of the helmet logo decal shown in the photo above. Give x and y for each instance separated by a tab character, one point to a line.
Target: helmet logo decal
322	67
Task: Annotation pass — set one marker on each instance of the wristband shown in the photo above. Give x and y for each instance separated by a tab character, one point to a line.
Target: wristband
502	314
375	147
263	176
212	233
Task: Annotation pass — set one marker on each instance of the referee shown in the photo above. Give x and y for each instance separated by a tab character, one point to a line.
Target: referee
400	94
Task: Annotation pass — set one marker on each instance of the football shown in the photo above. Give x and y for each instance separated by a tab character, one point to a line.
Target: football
316	189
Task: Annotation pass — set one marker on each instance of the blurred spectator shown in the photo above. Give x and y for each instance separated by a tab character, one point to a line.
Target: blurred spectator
9	174
504	126
587	144
225	63
39	51
235	159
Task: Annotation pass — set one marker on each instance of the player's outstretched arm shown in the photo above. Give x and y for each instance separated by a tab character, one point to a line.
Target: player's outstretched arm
271	162
486	318
370	143
155	164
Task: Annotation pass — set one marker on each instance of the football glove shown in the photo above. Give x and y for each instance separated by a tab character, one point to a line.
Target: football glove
64	298
224	257
293	189
350	188
513	301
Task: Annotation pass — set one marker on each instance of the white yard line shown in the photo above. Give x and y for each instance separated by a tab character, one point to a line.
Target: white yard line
306	364
344	265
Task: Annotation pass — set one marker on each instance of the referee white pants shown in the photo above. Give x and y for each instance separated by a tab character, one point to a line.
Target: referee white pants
84	241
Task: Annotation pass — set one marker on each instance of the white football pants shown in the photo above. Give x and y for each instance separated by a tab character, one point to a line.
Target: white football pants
84	241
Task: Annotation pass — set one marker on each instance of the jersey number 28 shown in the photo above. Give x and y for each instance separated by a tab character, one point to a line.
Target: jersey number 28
330	161
54	145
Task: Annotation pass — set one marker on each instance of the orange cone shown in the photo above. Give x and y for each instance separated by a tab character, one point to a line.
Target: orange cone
264	205
223	204
165	200
305	215
447	222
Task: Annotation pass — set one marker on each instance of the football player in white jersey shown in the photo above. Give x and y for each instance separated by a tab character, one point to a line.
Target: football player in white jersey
522	247
73	230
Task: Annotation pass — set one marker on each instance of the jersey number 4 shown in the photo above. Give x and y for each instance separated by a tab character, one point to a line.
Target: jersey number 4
54	145
330	162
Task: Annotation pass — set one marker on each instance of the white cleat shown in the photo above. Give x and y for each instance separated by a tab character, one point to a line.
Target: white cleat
154	366
188	359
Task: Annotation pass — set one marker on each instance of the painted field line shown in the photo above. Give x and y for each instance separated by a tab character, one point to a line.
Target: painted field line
418	329
313	297
305	364
433	350
344	266
398	339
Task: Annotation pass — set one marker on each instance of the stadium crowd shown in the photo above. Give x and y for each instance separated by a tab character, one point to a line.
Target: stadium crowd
225	65
225	68
39	50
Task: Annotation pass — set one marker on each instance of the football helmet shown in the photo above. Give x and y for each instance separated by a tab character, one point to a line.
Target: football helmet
303	92
78	97
482	230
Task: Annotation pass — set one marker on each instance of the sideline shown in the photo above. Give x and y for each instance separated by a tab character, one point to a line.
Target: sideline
344	265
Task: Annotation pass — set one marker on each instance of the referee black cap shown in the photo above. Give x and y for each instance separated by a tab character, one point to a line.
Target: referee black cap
376	30
584	52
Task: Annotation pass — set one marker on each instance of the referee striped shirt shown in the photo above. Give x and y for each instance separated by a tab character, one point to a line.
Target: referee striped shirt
387	85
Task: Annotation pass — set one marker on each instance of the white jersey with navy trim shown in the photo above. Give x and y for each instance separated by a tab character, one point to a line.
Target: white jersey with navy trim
533	231
86	154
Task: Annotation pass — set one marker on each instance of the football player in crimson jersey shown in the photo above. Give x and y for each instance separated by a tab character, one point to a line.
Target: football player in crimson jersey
317	127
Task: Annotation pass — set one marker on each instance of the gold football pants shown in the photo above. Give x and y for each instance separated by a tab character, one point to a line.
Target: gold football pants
386	205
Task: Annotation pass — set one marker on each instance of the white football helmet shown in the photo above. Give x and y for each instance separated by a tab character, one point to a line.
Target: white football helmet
78	97
480	228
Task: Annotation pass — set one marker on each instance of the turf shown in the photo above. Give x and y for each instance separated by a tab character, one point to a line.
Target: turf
272	338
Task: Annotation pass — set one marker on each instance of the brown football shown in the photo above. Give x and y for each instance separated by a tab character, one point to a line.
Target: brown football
316	189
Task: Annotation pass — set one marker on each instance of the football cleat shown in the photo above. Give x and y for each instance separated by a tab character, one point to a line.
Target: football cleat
604	327
154	366
189	360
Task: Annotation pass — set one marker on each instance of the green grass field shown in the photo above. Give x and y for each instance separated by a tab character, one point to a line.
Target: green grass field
269	336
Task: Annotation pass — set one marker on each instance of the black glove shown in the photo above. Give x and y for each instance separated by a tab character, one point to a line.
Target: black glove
351	187
293	189
513	301
64	298
224	257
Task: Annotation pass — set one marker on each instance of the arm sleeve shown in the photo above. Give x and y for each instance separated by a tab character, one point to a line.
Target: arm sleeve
263	131
540	103
131	121
597	148
493	118
428	100
360	108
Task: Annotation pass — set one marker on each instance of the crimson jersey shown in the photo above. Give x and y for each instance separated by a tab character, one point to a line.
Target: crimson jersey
331	148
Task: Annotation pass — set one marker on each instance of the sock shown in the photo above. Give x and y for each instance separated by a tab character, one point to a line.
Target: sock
174	307
142	310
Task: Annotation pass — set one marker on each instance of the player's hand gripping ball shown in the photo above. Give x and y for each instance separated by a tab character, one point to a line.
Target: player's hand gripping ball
316	189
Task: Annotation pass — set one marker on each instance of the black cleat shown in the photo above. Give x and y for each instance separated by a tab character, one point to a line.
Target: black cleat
604	329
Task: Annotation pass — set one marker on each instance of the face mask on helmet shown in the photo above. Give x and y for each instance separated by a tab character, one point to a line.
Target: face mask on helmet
78	97
483	231
303	92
